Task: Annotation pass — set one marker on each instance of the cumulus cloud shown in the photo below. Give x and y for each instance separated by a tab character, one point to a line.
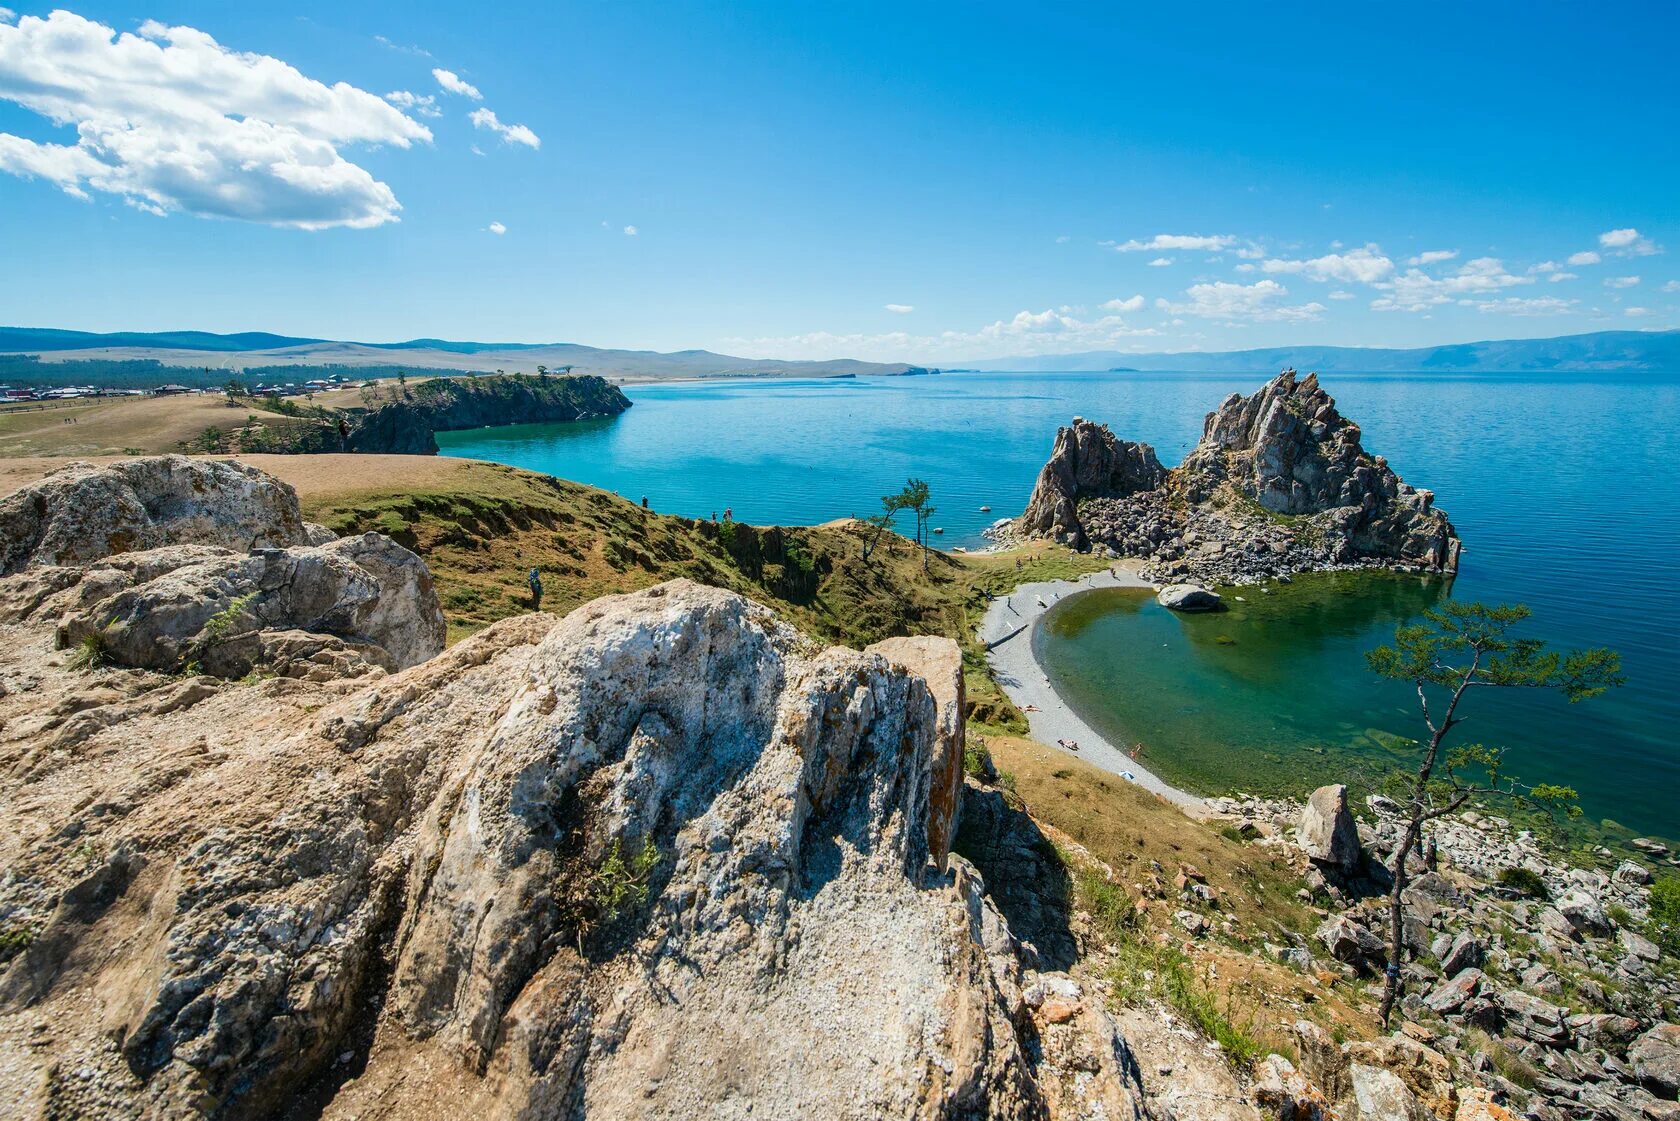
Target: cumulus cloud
1178	241
1341	295
1585	257
1672	286
1134	304
170	120
1621	281
1433	257
497	228
1415	290
1160	262
1260	301
1558	276
1051	331
900	309
1637	311
423	104
7	15
454	83
510	134
1357	266
1627	243
631	231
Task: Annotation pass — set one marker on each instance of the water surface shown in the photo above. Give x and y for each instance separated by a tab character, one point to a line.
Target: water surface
1562	486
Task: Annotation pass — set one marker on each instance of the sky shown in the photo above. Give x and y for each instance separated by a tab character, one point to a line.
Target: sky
904	181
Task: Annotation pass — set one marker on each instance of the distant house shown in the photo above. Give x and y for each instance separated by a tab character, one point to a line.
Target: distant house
169	390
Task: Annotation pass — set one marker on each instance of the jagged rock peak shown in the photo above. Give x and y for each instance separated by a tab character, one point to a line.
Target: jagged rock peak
1087	461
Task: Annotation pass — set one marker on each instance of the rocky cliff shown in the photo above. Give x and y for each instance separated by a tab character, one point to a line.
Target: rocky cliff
408	426
660	858
1278	483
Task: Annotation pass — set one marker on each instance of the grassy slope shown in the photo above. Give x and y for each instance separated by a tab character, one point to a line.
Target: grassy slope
113	425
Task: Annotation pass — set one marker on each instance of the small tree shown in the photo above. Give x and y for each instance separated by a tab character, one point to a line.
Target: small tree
1460	647
891	504
915	498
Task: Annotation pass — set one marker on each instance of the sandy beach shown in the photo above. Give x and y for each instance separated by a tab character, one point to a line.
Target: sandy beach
1009	624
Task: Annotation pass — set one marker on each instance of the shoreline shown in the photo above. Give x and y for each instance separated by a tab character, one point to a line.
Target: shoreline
1009	623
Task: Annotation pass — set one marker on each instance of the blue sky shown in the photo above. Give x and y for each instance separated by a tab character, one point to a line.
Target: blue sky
883	181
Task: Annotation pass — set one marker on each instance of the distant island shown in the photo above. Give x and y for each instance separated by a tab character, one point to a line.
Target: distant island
1601	350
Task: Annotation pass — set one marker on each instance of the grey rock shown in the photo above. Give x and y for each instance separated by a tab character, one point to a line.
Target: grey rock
1655	1058
1348	941
1326	832
1584	912
1188	597
1465	952
1638	946
1534	1019
1380	1095
82	512
1086	462
1452	995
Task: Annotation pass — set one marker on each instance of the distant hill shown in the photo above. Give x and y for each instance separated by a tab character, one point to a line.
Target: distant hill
227	354
1602	350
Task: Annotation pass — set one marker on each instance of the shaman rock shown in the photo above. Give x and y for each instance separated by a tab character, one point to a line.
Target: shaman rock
1086	461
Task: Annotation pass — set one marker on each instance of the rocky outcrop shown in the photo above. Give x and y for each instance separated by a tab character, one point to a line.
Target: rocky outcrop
165	608
80	512
1279	483
661	858
408	426
1086	462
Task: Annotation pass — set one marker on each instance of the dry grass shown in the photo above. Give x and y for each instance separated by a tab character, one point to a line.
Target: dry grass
1130	830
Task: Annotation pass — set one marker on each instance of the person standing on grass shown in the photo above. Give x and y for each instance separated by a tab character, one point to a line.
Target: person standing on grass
535	582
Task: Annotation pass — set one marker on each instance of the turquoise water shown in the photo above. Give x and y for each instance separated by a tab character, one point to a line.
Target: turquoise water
1562	485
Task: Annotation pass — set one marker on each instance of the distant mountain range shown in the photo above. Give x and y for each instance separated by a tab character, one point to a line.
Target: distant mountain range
196	350
1602	350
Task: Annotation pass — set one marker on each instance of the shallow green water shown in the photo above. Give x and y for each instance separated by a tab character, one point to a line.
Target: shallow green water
1273	695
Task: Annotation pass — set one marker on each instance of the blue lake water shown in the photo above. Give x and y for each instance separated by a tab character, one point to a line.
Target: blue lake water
1563	487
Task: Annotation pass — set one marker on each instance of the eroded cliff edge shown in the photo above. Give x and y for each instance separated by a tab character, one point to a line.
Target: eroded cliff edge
662	857
1278	483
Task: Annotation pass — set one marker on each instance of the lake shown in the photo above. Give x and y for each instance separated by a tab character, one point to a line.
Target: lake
1563	487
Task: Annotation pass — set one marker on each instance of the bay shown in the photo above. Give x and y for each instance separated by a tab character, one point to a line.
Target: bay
1561	484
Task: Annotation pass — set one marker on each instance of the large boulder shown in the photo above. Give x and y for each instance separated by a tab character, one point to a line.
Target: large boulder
1188	597
1380	1095
1086	461
1655	1057
1327	832
164	608
1585	913
1350	942
82	512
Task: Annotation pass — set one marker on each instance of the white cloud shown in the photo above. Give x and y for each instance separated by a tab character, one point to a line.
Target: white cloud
1433	257
1160	262
1556	277
1628	243
1027	332
1637	311
1672	286
1585	257
510	134
1063	239
1543	266
170	120
1178	241
418	52
423	104
1341	295
475	149
497	228
1358	266
1517	305
1621	281
631	231
454	83
1134	304
900	309
1225	300
7	15
1415	290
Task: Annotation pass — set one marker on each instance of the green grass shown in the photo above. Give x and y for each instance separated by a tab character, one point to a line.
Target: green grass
1524	882
91	653
620	884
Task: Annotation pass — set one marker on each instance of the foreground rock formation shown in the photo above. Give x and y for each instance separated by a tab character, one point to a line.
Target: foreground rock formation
1279	483
661	858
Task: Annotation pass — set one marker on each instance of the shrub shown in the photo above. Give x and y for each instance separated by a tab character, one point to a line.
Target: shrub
91	653
1664	925
1524	882
1619	915
621	884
